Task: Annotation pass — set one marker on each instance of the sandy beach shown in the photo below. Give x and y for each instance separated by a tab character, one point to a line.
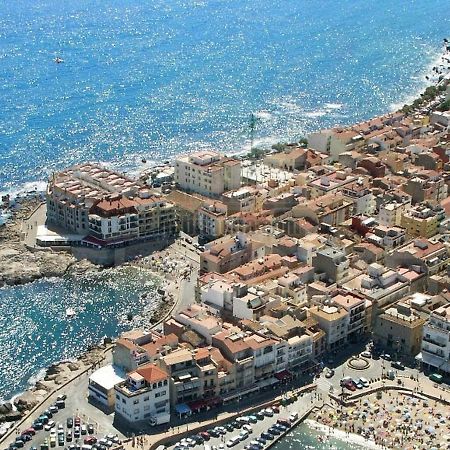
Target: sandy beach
394	421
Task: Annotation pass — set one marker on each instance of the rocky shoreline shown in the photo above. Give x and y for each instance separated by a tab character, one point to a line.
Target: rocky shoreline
56	375
20	265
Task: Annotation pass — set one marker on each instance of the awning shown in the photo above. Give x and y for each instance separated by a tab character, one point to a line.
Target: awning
236	394
183	408
283	375
196	405
269	382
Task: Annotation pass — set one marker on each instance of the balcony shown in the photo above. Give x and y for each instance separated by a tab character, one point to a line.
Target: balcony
434	342
431	352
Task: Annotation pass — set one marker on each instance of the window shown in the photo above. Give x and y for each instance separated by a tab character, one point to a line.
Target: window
146	399
135	402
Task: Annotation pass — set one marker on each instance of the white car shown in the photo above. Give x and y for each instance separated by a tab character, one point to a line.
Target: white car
366	354
248	428
364	381
268	412
233	441
49	425
243	435
293	417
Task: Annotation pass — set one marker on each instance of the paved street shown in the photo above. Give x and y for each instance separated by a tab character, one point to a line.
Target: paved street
301	406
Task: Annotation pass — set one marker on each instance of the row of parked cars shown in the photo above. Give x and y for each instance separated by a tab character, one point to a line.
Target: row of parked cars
354	383
39	424
243	426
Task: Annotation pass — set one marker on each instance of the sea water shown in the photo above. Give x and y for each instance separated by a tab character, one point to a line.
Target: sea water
149	80
36	332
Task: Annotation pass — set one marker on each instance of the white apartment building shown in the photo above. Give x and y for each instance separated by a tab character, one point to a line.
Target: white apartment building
144	396
390	214
207	172
436	340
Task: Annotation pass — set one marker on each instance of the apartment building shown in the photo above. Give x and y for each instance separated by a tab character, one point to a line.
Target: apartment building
436	340
246	199
331	264
355	305
106	208
334	321
211	220
399	330
208	173
360	194
330	183
429	257
144	396
229	253
422	220
428	185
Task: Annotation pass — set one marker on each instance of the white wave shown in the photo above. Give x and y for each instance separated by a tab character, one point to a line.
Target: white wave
263	114
313	114
333	105
433	77
25	188
342	435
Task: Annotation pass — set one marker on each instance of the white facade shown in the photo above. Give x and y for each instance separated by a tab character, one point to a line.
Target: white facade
436	340
141	399
390	214
207	173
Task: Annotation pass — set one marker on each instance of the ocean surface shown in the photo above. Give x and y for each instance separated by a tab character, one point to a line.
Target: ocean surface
153	79
35	331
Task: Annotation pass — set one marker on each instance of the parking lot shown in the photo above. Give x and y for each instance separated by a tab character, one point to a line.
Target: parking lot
254	431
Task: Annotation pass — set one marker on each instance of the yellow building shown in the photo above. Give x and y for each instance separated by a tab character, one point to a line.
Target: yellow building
420	222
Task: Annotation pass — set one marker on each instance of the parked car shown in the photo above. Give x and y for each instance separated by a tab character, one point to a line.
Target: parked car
83	429
30	431
248	428
259	415
38	425
267	436
53	409
69	422
205	435
386	356
268	412
90	428
69	436
329	373
364	381
275	431
366	354
243	435
357	383
90	440
253	419
398	365
436	378
61	397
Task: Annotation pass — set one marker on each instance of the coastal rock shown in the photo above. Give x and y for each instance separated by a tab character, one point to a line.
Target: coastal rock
82	267
25	401
50	377
60	380
5	408
44	385
12	416
73	367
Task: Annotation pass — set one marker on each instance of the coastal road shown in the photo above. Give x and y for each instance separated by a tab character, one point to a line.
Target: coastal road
76	405
301	406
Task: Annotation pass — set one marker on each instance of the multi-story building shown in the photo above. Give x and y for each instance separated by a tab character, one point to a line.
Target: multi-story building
332	209
211	220
436	340
244	199
334	321
428	185
208	173
390	214
144	396
360	194
229	253
429	257
422	220
106	208
355	305
184	375
330	183
332	263
399	329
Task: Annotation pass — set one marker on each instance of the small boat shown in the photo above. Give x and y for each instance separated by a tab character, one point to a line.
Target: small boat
70	313
58	60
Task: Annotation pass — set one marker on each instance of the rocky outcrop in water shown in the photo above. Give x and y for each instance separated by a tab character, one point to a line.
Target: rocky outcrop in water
20	265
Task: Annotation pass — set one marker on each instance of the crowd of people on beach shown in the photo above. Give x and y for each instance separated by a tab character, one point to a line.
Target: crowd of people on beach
396	420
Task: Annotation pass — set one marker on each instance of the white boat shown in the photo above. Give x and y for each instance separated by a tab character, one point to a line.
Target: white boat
70	312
